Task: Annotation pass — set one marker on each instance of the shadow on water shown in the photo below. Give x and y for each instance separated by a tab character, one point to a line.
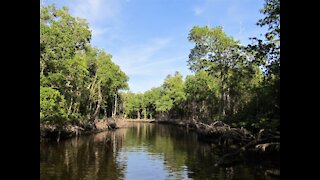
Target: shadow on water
141	151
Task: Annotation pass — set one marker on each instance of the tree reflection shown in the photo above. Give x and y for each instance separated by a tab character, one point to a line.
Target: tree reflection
88	157
106	155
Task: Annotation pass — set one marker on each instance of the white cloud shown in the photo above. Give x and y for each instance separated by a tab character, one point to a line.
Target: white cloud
157	66
198	11
201	8
104	18
129	58
147	64
96	31
241	28
97	10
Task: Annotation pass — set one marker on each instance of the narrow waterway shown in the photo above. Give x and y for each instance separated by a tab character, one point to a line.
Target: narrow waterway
141	151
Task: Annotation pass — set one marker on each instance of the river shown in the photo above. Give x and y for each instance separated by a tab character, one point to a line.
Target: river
142	151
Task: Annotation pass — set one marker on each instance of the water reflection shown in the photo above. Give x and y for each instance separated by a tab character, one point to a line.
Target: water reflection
141	151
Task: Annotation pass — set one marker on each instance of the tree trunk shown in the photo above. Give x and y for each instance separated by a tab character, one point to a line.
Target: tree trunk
202	107
234	107
193	110
42	67
139	114
90	107
227	100
105	111
96	113
91	92
79	100
222	97
69	109
145	113
115	105
257	104
75	106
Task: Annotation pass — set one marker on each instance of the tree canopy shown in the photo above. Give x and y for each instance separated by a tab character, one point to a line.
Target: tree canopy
230	82
77	81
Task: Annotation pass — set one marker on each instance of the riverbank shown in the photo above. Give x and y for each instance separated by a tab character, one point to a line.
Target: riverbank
140	120
146	150
56	132
217	133
239	144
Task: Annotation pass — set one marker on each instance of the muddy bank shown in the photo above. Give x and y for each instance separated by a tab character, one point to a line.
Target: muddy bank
238	144
140	120
222	134
51	132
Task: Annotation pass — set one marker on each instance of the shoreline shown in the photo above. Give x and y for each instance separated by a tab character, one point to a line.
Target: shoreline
238	144
57	132
140	120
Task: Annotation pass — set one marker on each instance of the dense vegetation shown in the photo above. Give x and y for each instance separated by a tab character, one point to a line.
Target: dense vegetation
231	82
77	81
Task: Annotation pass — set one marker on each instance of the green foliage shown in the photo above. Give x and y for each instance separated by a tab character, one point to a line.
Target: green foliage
173	87
214	51
265	107
172	95
202	92
220	56
86	78
78	81
244	95
201	86
168	97
164	104
61	35
150	98
267	53
131	104
228	82
52	105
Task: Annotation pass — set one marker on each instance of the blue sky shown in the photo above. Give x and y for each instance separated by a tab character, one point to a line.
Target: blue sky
148	38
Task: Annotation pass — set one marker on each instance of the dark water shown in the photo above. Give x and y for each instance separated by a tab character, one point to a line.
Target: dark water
142	151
